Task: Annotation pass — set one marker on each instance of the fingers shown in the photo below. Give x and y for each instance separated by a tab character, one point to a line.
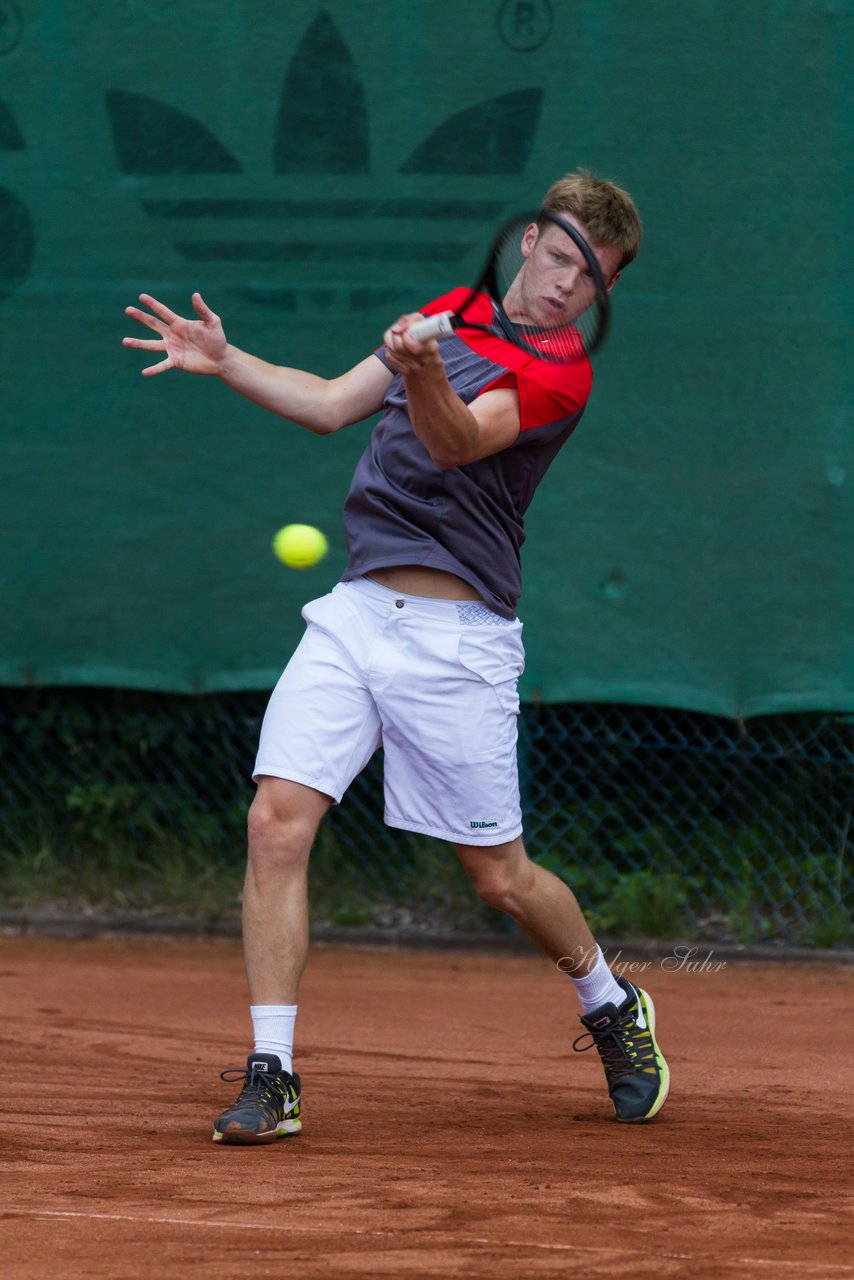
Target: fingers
158	368
159	308
162	318
402	327
161	322
395	335
144	344
405	352
144	318
398	329
202	309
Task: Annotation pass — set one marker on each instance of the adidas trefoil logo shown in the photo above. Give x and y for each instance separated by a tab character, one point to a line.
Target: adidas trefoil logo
329	228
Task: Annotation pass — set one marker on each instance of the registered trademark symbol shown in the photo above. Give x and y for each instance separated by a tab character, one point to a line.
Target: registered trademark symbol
525	24
11	25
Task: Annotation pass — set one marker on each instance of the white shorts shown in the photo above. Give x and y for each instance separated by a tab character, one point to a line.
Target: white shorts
431	681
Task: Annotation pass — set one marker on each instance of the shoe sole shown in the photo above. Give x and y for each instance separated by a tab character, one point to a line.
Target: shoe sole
236	1137
649	1011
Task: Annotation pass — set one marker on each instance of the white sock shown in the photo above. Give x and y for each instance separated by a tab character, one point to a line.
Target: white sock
598	987
274	1031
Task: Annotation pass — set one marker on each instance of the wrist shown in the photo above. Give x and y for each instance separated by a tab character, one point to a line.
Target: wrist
227	363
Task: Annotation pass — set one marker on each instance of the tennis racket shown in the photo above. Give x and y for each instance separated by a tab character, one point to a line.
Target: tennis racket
544	293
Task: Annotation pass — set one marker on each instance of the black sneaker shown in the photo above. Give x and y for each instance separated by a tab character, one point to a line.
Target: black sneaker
637	1075
268	1107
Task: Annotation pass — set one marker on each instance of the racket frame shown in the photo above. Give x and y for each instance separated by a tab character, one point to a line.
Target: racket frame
446	322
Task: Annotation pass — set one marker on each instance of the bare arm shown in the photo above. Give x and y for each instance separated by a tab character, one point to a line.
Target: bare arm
453	433
200	346
319	404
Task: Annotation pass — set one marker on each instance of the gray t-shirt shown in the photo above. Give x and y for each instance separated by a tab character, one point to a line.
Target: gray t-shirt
469	520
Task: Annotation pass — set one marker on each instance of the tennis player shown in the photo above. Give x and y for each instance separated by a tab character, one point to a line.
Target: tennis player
418	647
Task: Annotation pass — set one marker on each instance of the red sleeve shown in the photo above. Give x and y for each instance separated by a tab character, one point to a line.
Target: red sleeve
447	302
547	392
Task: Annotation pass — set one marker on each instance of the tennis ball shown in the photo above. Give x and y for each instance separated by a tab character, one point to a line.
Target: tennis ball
300	545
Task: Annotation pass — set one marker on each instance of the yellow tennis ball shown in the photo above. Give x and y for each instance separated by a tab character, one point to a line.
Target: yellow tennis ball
300	545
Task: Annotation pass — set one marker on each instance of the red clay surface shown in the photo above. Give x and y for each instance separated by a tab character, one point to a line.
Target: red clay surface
448	1129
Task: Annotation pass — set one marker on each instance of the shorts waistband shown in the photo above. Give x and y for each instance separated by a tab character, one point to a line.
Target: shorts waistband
458	612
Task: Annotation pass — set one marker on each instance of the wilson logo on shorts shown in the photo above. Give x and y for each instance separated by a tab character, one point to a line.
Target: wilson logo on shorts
483	824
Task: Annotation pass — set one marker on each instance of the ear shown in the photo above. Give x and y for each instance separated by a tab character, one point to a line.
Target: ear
614	278
529	239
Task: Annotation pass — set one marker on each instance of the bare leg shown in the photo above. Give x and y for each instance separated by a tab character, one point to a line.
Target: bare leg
545	908
283	822
542	905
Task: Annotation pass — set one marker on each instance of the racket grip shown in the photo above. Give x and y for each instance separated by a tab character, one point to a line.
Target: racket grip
432	327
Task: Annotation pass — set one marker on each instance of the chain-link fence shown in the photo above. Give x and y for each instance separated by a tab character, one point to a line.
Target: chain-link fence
662	821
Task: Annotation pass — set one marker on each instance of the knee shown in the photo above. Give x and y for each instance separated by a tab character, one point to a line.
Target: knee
499	881
279	835
496	891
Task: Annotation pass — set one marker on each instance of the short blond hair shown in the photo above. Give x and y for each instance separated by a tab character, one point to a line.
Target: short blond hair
606	211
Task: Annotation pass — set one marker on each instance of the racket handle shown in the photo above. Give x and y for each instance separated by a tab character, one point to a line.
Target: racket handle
432	327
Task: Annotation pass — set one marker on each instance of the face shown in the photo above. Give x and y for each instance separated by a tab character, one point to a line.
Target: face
555	284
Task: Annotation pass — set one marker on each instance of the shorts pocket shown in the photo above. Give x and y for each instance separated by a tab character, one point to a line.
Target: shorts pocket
329	612
497	658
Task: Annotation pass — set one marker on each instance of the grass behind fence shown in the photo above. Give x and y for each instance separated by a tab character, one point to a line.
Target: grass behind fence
664	823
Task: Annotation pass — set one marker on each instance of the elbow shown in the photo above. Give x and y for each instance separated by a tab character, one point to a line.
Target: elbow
322	427
447	454
446	462
448	459
332	413
455	451
324	418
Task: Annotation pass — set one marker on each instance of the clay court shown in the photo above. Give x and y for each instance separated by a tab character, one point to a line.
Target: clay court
448	1129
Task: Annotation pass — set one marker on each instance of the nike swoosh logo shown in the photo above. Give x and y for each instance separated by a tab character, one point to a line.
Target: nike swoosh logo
640	1019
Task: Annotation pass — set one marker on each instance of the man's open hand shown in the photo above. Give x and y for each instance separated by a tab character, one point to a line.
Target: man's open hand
197	346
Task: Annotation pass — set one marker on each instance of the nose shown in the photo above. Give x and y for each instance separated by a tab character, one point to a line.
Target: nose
568	279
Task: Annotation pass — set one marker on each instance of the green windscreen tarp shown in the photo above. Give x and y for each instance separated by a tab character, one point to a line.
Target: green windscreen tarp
316	170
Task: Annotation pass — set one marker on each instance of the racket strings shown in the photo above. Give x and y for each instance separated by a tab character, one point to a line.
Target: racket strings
560	343
566	313
547	293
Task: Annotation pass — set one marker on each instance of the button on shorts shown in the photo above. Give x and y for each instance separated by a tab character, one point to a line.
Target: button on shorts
431	681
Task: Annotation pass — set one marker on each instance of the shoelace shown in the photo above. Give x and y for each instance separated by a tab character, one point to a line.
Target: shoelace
258	1084
622	1053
